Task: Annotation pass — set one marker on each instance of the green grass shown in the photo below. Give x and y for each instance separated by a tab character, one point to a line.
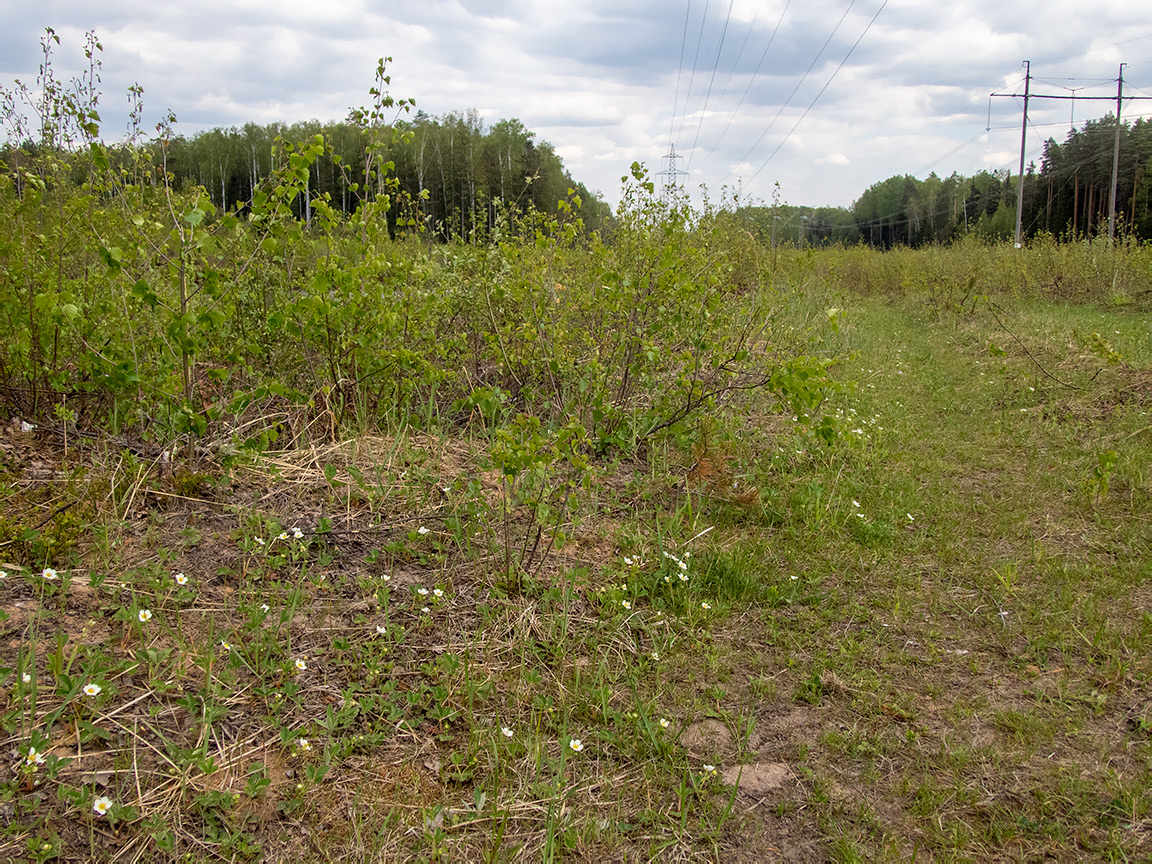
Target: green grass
938	625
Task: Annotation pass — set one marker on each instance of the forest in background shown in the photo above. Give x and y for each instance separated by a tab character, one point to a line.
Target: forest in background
455	173
1066	196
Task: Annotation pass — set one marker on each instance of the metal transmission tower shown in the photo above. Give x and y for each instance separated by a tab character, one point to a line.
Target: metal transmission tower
670	172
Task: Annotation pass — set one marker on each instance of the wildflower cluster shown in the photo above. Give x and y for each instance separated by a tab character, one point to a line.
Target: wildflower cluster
681	565
858	426
294	533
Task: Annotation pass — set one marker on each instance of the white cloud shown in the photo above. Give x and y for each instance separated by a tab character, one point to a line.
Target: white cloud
599	79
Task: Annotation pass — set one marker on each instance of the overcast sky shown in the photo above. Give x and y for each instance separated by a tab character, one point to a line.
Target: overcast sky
825	97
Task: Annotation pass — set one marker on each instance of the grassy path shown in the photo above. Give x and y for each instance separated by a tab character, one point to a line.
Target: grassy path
972	680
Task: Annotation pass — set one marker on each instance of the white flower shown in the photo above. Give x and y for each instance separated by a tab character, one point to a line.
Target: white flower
664	724
300	664
421	530
709	769
910	517
283	535
34	757
655	655
855	503
92	689
259	541
302	745
102	805
386	577
48	573
3	574
381	630
144	615
505	731
793	577
683	577
438	592
705	605
627	560
423	592
576	745
681	565
625	604
667	578
264	608
425	609
181	579
26	678
227	646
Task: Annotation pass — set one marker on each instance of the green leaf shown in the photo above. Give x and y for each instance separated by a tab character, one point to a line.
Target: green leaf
146	294
112	257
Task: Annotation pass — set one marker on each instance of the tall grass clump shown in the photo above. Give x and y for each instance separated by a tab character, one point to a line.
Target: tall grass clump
1091	270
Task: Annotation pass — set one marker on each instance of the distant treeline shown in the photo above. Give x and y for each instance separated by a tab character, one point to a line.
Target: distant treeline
1067	197
453	174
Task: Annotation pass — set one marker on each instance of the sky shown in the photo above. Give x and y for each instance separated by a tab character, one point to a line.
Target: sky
823	97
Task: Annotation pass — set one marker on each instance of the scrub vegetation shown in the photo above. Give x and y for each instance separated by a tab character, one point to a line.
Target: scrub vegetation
323	539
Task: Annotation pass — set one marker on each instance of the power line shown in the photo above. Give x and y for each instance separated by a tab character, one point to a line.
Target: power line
740	53
821	93
951	152
708	94
1036	153
679	69
692	76
1096	48
1115	153
756	72
797	87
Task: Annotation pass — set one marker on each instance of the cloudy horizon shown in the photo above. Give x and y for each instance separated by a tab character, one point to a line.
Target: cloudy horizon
826	98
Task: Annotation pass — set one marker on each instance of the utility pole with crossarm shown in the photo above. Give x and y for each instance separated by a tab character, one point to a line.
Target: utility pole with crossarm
1027	94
